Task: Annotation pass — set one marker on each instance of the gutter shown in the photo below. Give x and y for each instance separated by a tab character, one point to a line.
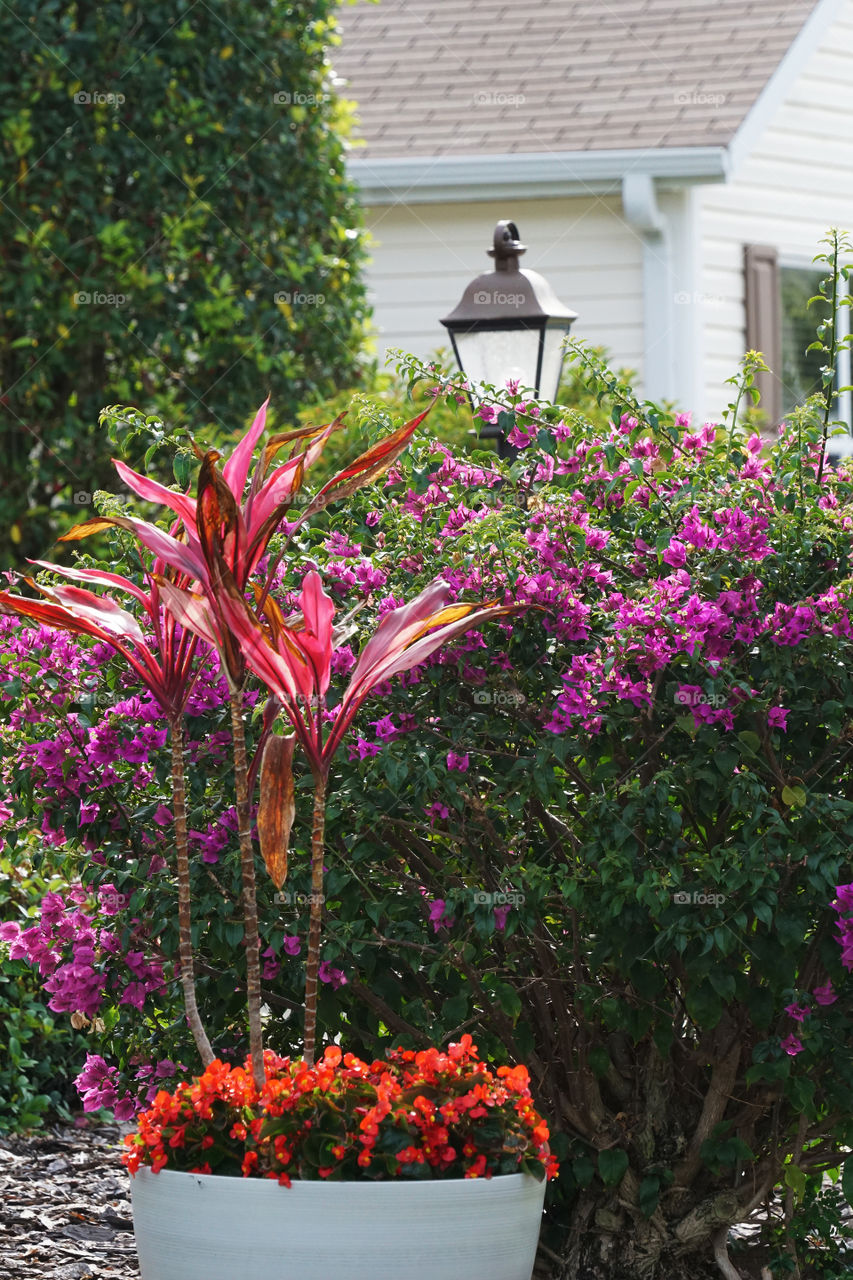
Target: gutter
644	214
531	175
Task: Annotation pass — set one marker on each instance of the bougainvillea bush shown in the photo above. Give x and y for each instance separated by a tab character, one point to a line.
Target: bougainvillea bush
603	836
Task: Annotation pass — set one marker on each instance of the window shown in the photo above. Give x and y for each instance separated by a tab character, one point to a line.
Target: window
781	324
800	369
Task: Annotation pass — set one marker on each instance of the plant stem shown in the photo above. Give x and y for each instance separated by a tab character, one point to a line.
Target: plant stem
829	389
185	939
250	897
312	962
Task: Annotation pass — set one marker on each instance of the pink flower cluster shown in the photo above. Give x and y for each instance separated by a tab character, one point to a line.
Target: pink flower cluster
98	1086
823	995
80	958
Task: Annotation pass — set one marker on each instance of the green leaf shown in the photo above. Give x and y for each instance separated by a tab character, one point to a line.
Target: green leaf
455	1009
612	1165
599	1060
233	931
508	999
182	469
704	1006
648	1195
796	1179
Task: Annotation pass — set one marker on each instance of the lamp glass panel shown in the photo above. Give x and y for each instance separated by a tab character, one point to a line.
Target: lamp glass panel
552	361
496	355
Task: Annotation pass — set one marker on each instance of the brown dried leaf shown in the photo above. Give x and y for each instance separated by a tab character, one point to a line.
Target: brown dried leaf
277	805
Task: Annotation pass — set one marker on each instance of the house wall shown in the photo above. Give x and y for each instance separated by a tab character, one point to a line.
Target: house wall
790	185
424	255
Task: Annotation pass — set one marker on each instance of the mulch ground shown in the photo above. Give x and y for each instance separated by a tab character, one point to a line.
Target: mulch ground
65	1206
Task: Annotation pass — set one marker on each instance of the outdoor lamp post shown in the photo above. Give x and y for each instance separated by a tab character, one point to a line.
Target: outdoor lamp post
510	324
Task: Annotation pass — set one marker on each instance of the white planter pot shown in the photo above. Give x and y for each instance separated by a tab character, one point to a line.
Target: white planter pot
200	1227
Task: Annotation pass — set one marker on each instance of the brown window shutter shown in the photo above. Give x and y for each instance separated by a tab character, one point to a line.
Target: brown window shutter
764	323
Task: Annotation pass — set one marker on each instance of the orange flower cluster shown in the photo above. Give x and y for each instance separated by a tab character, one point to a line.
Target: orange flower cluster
427	1114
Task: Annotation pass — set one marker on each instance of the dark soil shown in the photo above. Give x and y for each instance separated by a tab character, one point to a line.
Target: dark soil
65	1206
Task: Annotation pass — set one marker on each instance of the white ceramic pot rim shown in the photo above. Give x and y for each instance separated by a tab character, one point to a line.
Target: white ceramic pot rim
363	1186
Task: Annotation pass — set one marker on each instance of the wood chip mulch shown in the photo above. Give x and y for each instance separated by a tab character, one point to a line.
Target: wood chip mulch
65	1206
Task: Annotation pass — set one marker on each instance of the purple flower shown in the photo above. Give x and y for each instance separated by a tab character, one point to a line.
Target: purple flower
335	977
825	995
675	554
438	917
126	1108
798	1011
9	931
777	718
291	946
385	728
844	902
501	914
520	439
460	763
792	1046
110	901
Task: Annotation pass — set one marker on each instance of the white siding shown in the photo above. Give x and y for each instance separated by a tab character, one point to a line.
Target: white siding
794	184
424	255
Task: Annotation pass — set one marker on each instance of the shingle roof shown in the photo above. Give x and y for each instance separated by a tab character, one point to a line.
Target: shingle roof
483	77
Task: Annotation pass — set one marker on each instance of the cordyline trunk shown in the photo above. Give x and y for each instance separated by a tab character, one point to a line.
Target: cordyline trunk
185	940
312	962
250	900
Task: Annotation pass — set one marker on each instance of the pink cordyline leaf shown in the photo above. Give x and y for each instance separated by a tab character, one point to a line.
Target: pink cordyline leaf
181	503
269	498
100	610
406	651
315	637
101	578
192	610
285	660
236	469
185	557
83	613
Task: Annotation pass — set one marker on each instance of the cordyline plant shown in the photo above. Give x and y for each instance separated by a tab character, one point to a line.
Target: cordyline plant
294	659
198	581
163	660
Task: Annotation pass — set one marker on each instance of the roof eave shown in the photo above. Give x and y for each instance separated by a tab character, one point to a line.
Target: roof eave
536	175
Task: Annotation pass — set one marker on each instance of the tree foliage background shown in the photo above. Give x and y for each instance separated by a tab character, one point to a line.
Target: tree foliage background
177	231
